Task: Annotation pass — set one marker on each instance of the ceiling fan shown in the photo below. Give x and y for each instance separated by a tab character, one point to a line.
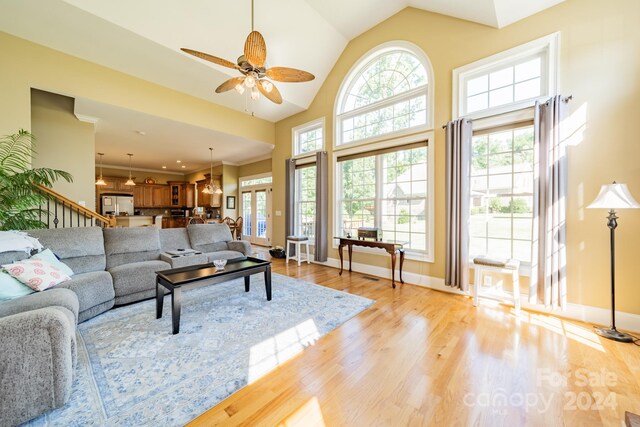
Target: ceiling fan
252	67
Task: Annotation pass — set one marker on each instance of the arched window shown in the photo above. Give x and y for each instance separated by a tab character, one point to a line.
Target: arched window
382	160
387	92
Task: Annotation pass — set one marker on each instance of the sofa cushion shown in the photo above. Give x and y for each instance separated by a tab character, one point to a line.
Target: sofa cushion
81	248
209	237
131	245
224	255
174	238
51	298
136	277
93	288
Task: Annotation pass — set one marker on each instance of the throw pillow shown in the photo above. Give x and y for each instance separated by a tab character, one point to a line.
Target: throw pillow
36	273
11	288
52	259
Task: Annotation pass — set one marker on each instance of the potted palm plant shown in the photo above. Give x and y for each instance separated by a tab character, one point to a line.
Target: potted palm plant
20	197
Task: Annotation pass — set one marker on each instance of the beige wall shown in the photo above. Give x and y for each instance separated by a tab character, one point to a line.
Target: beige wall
64	142
229	188
256	168
35	66
139	175
599	66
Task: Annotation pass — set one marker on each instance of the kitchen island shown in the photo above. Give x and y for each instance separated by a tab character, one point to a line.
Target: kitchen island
134	220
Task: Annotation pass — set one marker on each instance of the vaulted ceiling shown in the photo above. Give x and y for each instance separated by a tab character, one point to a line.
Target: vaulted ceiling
142	37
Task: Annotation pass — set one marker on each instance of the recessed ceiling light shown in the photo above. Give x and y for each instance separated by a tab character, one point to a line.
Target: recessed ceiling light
183	166
140	132
178	161
164	167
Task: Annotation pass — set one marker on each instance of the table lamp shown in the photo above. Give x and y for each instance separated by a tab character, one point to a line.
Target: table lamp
614	196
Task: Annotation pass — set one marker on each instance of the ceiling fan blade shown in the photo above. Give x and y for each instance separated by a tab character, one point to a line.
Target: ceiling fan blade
210	58
255	49
290	75
230	84
270	91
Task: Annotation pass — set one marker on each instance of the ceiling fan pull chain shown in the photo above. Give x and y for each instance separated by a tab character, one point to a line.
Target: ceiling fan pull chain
252	15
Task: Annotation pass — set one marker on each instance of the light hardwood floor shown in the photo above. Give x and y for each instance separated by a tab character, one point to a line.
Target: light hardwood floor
419	357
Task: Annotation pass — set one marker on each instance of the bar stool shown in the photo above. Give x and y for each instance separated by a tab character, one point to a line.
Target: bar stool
298	241
511	266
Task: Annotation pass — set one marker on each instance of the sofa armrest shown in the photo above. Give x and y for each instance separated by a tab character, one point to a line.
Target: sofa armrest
240	246
59	297
36	363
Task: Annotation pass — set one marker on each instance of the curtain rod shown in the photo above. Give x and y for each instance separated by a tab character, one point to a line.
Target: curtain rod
565	100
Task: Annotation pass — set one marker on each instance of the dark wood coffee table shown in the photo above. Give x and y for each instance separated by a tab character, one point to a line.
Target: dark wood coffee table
194	277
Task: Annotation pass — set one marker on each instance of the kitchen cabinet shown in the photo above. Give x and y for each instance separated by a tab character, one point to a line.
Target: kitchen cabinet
147	196
161	195
138	196
189	195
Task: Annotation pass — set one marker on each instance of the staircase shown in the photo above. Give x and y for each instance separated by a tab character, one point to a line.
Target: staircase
60	212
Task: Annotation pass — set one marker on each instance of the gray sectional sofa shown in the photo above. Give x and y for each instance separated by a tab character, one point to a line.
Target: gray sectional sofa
111	267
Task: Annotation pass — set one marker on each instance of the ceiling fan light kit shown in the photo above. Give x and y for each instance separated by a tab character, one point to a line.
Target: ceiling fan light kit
252	67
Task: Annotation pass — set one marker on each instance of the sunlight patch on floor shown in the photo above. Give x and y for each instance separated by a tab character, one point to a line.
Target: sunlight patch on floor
565	328
308	415
276	350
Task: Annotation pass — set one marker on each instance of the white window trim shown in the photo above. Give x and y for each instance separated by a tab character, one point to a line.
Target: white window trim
362	62
549	45
429	256
303	128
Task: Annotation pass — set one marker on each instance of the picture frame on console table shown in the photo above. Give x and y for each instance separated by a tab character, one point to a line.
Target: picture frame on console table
231	202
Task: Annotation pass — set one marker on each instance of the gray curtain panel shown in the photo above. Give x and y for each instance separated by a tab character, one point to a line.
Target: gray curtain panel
322	206
548	284
290	200
458	163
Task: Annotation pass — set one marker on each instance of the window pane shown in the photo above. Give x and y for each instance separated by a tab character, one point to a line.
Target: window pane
501	194
528	89
387	191
501	78
478	85
477	102
528	70
501	96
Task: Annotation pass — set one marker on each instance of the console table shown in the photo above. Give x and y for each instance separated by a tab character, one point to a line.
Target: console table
391	247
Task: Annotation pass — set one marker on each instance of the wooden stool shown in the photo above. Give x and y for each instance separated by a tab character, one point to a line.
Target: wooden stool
512	266
298	241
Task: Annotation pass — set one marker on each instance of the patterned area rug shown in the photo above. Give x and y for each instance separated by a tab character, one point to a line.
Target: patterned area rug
133	371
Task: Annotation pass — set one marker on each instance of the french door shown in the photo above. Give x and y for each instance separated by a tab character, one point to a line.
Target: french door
256	214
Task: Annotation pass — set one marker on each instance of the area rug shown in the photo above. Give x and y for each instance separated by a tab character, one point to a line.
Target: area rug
132	371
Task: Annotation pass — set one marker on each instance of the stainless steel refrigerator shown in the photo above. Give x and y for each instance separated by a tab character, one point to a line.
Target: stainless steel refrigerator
116	204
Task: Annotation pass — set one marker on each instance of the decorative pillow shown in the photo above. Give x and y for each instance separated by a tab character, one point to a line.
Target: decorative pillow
10	288
51	258
36	273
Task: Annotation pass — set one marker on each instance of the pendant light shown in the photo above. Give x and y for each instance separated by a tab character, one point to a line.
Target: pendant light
100	181
130	180
208	188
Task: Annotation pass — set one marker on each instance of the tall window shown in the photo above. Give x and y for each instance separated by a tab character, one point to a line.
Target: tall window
386	94
306	201
502	193
386	189
308	138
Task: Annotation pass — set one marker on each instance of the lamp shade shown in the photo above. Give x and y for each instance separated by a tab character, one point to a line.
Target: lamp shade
615	196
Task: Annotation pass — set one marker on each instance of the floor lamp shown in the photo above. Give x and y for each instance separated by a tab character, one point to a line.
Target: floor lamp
614	196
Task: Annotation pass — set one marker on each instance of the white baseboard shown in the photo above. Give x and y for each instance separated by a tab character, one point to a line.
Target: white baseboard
584	313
